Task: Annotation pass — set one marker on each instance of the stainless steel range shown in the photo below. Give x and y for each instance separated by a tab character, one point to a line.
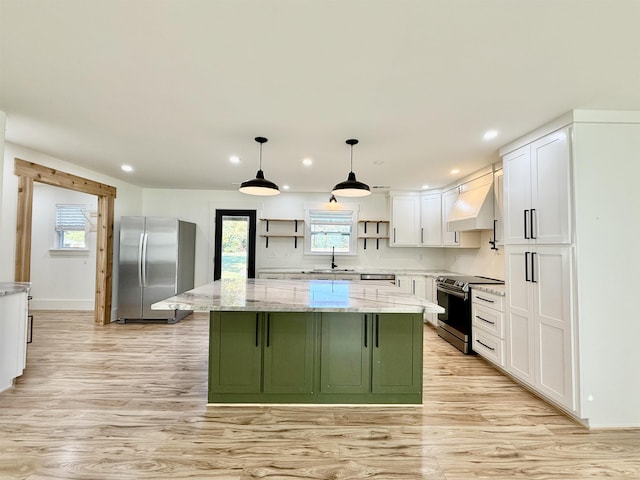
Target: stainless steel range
454	325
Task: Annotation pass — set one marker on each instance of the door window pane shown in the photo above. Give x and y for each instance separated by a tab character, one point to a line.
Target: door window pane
235	243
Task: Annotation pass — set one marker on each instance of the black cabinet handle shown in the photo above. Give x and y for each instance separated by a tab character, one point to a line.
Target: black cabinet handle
365	331
533	267
526	234
394	234
268	328
485	320
257	327
485	346
377	331
526	266
455	237
532	223
422	235
485	299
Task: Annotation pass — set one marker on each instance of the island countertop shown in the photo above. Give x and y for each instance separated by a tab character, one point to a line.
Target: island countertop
297	296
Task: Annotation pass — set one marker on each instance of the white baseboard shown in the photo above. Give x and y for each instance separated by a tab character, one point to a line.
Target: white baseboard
55	304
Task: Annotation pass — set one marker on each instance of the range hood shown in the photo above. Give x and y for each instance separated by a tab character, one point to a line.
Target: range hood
473	210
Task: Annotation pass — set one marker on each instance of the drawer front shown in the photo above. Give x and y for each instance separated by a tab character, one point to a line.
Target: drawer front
488	319
487	299
488	346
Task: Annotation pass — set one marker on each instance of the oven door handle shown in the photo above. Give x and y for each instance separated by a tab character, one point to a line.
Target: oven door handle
455	293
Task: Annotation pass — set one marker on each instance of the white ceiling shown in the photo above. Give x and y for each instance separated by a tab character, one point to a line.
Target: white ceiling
175	87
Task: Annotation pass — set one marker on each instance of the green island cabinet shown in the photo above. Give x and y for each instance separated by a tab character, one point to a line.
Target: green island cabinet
315	357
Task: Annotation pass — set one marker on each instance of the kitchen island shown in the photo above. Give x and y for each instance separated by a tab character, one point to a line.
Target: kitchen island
316	341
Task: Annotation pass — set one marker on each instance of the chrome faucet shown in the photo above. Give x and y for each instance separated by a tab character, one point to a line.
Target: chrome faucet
333	258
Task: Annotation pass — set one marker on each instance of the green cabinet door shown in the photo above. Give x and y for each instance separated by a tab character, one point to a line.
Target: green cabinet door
288	352
345	353
235	352
397	362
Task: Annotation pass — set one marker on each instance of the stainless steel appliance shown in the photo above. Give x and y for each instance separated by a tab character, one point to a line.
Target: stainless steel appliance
378	278
157	257
454	325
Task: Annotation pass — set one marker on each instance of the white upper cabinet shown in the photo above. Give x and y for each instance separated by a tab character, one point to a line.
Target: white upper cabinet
537	191
431	220
405	221
448	199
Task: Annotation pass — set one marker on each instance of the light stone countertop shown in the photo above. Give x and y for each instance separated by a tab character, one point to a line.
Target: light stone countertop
256	295
495	289
9	288
358	271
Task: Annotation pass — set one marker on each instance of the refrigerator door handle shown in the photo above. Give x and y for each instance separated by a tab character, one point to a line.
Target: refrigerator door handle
143	262
140	253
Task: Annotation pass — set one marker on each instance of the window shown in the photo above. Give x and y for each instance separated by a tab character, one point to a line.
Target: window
329	230
71	225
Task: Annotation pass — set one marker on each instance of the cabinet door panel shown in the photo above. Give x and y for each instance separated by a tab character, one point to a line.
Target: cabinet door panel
405	221
288	352
517	194
550	194
431	221
397	366
234	352
554	320
345	353
520	328
448	200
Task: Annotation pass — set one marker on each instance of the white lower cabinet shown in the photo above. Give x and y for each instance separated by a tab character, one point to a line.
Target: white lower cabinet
271	276
540	322
487	325
13	337
432	296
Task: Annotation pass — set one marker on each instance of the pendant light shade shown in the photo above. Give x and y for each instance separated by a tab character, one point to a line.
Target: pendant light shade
351	187
259	185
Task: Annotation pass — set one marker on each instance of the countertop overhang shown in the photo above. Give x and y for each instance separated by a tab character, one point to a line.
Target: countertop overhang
257	295
10	288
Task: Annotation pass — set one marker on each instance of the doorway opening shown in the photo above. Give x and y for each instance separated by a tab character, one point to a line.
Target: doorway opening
235	244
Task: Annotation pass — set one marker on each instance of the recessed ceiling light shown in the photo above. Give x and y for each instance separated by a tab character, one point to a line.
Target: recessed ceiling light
285	187
424	187
378	162
126	168
490	134
234	159
455	170
307	162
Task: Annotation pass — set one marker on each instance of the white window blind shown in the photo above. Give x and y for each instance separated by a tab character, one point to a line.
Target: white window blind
70	218
330	230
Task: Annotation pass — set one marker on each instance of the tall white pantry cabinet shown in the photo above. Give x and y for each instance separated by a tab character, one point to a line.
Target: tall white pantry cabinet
571	203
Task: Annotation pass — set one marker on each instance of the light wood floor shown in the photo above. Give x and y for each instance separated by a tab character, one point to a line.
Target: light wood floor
129	402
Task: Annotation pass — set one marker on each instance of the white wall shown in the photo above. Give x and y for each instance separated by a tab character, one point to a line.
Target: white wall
474	261
60	281
199	206
127	202
606	173
3	119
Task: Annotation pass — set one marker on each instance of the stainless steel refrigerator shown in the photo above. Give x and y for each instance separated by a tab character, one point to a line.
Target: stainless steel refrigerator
157	257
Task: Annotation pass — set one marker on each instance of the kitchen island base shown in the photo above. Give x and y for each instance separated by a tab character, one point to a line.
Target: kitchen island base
315	357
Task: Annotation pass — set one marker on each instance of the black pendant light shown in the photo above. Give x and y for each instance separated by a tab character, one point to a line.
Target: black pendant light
259	185
351	187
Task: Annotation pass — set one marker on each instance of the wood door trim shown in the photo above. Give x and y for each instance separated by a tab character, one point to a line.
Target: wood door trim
29	172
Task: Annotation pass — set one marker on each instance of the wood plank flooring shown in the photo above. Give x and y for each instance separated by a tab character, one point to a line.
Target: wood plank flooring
129	402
